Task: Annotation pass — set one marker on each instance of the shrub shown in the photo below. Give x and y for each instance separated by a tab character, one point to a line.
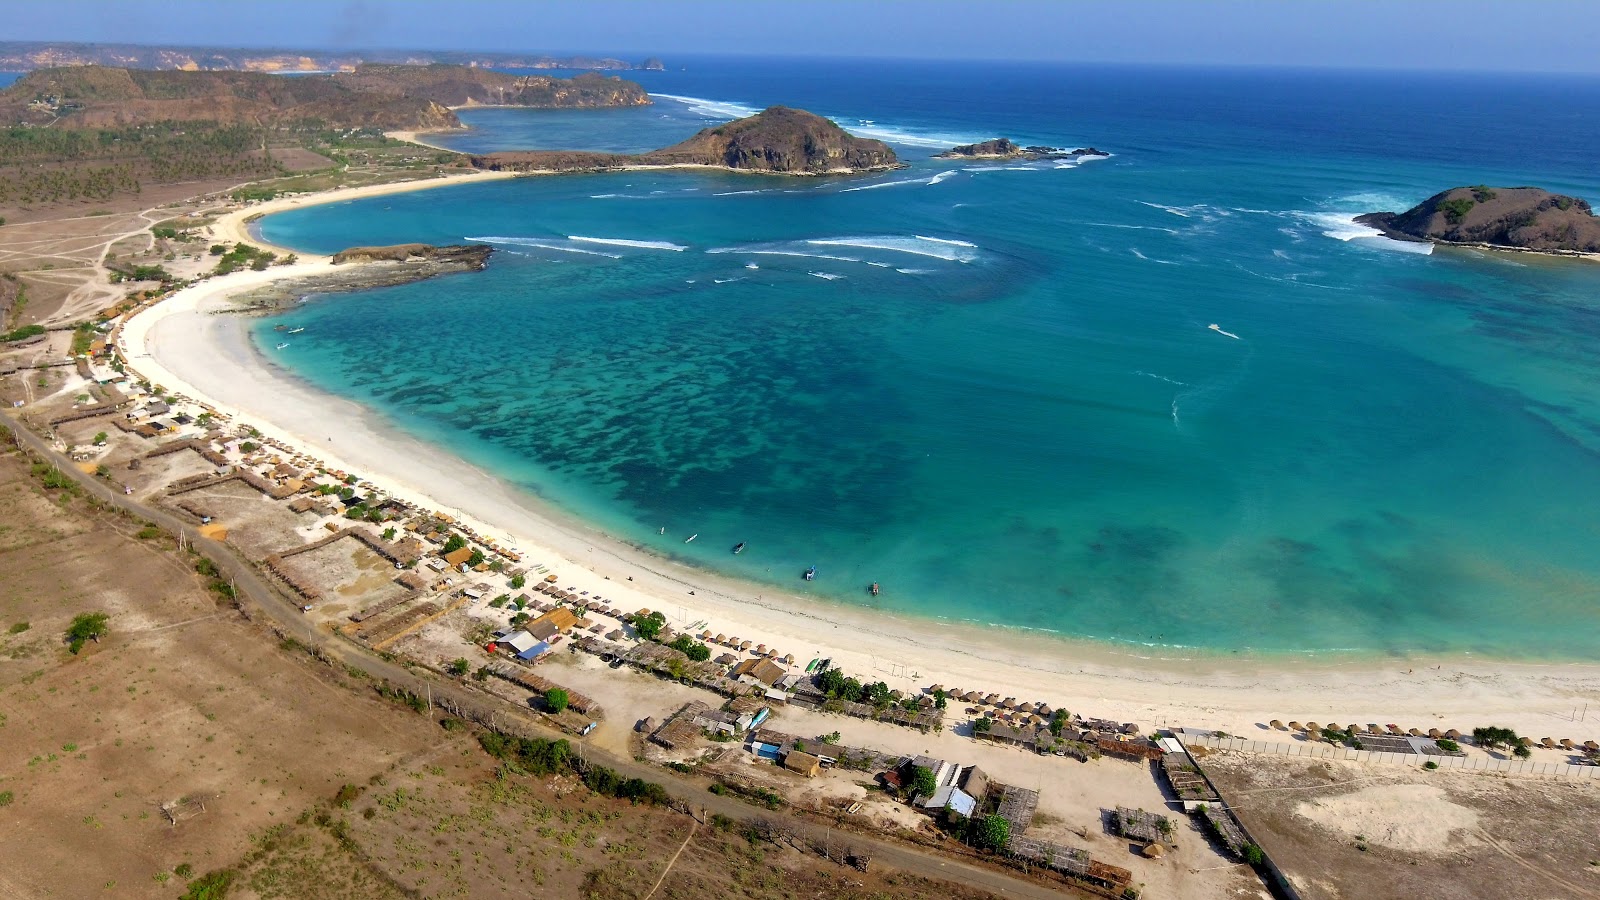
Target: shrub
1430	765
517	581
147	533
18	628
347	795
1253	854
86	627
459	667
989	833
1456	210
210	886
1448	745
6	798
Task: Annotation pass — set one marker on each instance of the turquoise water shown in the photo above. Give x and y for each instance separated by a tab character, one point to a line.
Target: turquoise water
993	389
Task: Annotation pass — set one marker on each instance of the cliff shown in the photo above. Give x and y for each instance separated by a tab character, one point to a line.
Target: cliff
25	56
1518	218
778	141
1005	148
781	140
412	98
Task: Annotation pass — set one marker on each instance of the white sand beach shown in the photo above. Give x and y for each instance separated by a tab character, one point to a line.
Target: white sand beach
184	346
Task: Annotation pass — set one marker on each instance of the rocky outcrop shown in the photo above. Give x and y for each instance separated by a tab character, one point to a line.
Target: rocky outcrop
784	141
392	98
1517	218
1005	148
779	141
467	256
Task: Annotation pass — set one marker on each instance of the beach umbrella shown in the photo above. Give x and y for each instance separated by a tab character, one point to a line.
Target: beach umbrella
551	579
1009	703
1566	743
1453	735
761	649
1276	725
1414	732
1547	743
614	635
1295	726
1591	745
704	635
788	659
1312	726
1373	729
1045	710
1354	729
722	639
930	690
1130	728
744	645
991	699
1395	729
1435	733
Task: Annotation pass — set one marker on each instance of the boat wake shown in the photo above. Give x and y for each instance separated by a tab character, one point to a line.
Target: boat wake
1218	330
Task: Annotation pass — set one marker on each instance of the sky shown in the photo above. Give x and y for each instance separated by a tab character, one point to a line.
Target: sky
1485	35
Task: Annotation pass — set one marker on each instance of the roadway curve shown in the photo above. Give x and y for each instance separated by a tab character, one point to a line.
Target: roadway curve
249	583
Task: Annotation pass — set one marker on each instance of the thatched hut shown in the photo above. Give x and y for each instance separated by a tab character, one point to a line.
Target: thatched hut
1453	735
1276	725
1296	726
1547	743
1435	733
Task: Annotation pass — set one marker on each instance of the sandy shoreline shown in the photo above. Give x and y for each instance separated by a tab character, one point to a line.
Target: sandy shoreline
181	344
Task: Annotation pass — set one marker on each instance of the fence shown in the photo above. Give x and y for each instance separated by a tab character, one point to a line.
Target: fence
1320	750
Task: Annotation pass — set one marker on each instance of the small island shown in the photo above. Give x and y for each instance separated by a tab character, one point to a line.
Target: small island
776	141
1515	218
1007	149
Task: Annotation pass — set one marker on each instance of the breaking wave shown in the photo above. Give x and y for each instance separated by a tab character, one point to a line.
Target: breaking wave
623	242
938	248
541	244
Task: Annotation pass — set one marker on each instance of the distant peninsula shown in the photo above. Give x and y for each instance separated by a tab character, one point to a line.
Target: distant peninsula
25	56
388	97
1006	149
777	141
1515	218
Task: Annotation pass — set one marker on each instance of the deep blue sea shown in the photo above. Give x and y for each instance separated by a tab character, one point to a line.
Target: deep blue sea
1172	397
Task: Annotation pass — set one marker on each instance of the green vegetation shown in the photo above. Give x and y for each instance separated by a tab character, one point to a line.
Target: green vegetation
210	886
557	700
1253	855
1430	765
6	798
498	602
983	725
243	255
249	446
454	542
517	581
923	783
109	162
100	438
23	333
648	627
389	533
691	648
86	627
1448	745
18	628
989	833
476	559
1456	210
459	667
1493	737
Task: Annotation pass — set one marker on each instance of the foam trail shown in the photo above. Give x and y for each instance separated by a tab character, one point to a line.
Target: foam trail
828	275
751	266
950	241
1171	209
884	184
622	242
1218	330
717	109
1162	378
941	176
543	245
917	246
736	193
782	253
1164	262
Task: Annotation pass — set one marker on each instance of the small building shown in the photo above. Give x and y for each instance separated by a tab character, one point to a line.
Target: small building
759	670
517	642
458	557
803	763
718	720
951	797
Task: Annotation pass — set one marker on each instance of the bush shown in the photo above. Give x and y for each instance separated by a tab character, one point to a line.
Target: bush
1430	765
989	833
1448	745
347	795
517	581
210	886
86	627
459	667
18	628
1253	854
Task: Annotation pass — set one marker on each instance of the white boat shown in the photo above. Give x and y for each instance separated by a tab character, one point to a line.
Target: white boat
296	330
281	346
692	537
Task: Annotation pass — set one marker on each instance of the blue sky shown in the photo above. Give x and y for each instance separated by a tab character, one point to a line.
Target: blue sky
1527	35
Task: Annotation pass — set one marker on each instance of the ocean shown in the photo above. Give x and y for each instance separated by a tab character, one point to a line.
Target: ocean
1171	400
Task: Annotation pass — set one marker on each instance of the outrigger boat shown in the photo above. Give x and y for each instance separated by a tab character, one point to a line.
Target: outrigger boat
296	330
738	548
692	537
811	573
281	346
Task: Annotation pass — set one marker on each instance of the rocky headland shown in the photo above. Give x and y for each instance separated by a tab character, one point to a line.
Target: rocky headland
364	268
1007	149
777	141
388	97
1516	218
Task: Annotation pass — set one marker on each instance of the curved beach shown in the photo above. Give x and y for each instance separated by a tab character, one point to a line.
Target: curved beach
185	346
